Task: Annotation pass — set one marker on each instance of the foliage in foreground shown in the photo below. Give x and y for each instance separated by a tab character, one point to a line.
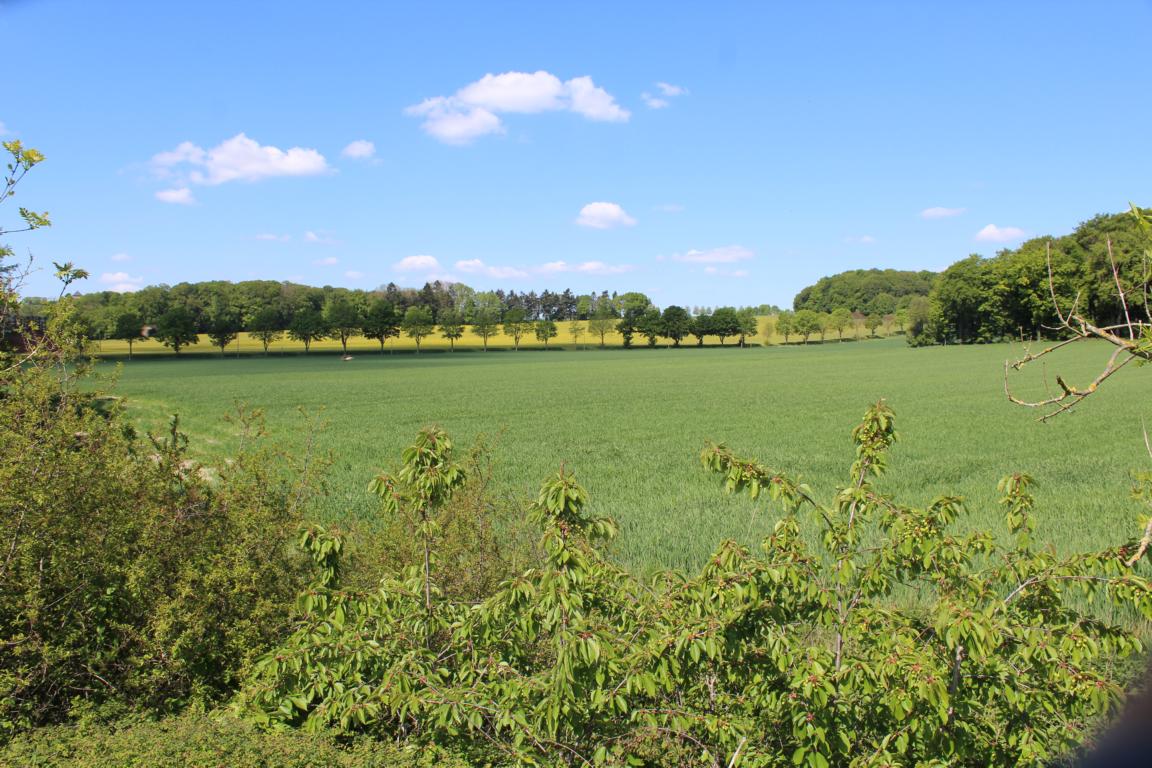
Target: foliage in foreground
789	656
205	741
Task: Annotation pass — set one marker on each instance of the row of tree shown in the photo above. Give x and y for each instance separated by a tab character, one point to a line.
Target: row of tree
341	319
221	307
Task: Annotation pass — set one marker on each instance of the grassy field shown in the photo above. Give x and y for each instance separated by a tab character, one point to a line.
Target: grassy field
631	424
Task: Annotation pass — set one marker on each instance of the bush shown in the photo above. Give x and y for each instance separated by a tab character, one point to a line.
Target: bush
790	656
205	741
129	572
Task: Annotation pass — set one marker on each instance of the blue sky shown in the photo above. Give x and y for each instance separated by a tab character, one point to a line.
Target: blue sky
706	154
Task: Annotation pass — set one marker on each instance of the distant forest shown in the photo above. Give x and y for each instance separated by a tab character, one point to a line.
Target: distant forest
1009	295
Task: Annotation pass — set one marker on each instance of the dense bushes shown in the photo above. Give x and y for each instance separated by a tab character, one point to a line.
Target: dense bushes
130	573
790	656
205	741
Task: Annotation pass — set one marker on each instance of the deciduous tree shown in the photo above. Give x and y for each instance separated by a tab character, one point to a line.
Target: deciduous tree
417	324
451	327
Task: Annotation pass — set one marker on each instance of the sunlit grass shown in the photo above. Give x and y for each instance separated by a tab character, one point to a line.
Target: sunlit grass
631	424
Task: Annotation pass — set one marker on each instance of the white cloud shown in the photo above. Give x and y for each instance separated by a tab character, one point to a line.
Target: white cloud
236	159
478	267
938	212
361	149
474	110
667	91
995	234
3	129
178	196
312	237
417	264
121	257
353	274
452	124
860	239
328	261
728	254
268	236
604	216
586	268
121	282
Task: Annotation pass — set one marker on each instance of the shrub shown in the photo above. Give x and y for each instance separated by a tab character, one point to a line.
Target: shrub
197	740
792	656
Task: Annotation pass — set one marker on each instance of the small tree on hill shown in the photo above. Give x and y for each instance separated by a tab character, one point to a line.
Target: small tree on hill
128	327
176	329
602	323
381	322
784	325
872	322
747	324
650	325
675	323
701	327
343	320
223	326
485	326
725	323
576	331
841	321
417	324
306	327
517	326
266	327
806	322
545	330
451	327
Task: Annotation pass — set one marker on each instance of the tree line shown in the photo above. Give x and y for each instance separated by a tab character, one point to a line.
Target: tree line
178	316
1019	293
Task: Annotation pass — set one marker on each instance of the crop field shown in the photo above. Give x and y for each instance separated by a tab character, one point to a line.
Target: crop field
631	425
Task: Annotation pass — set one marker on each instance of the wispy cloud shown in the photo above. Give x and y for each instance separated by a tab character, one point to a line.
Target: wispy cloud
236	159
663	100
319	239
269	237
995	234
860	239
585	268
353	274
328	261
474	110
939	212
176	196
420	263
121	282
478	267
728	254
669	208
361	149
720	272
121	257
604	216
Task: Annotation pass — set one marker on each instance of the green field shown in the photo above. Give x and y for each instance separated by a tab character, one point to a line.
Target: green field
631	424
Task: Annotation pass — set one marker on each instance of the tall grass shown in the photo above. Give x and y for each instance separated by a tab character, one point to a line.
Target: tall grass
631	424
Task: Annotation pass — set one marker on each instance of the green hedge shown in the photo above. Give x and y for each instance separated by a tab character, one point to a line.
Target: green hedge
205	741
